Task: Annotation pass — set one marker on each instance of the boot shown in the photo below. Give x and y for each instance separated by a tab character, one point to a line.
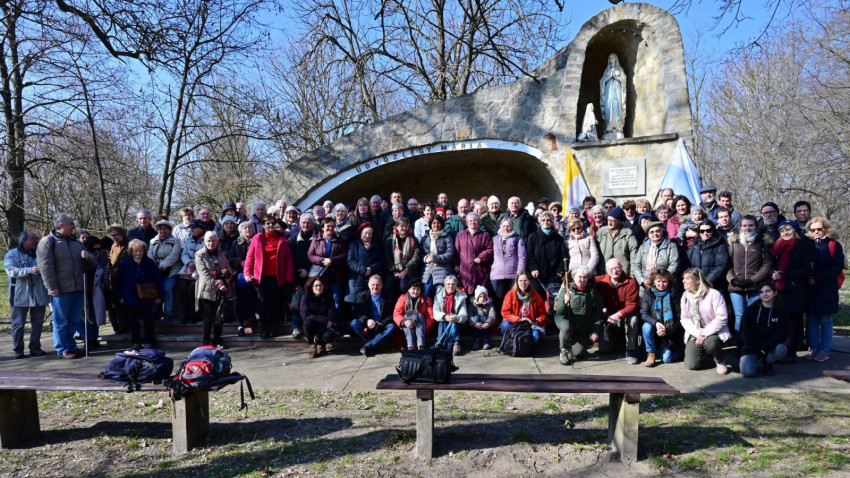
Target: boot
650	359
313	351
321	350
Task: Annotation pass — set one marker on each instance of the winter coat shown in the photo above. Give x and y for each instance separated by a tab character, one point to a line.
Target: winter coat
668	258
524	224
712	258
548	255
238	253
226	241
336	272
622	298
363	308
413	265
300	246
713	316
181	232
25	288
60	262
762	329
623	247
512	306
359	259
420	229
508	259
319	308
675	332
441	267
255	257
478	309
425	307
795	278
205	285
454	225
672	227
824	294
347	232
583	251
131	274
688	224
166	253
458	306
144	235
469	247
584	309
490	222
753	262
190	247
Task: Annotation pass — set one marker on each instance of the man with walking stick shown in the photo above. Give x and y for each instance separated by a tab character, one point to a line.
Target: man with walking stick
62	261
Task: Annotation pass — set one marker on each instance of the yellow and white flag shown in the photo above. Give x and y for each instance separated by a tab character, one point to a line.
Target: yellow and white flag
575	187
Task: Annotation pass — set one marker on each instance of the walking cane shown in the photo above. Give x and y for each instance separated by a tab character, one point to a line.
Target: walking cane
86	314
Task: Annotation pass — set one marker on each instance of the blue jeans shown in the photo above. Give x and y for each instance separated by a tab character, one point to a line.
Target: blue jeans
535	333
667	355
819	329
339	294
740	302
168	294
451	331
416	335
19	320
357	328
67	318
480	334
430	288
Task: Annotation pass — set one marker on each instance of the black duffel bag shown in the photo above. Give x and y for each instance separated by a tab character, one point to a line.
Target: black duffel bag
433	365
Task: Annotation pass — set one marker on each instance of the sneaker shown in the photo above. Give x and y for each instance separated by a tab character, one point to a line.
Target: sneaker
650	359
363	351
476	345
37	353
456	350
19	355
69	355
632	359
810	355
296	333
722	369
564	357
820	357
486	345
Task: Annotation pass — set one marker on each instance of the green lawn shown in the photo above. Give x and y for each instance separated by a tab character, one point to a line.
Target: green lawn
5	313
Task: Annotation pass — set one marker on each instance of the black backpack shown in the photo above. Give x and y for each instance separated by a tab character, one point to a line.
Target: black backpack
133	368
518	340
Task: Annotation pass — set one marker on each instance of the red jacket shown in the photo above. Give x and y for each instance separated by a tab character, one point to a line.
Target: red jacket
425	307
254	260
512	306
623	297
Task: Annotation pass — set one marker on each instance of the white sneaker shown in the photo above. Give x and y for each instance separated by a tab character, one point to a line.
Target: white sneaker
296	333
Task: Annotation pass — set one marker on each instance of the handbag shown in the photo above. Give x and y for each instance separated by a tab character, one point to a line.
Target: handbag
433	365
147	291
317	270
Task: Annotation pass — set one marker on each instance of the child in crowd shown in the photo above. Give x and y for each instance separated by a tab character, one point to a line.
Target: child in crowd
482	318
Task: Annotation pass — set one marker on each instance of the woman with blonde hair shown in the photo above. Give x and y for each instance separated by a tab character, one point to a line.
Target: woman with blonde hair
136	277
704	318
825	281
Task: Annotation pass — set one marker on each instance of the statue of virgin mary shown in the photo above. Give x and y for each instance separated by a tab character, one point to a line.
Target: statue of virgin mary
612	88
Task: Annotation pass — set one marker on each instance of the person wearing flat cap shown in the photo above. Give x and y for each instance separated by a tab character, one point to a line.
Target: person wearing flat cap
770	219
707	193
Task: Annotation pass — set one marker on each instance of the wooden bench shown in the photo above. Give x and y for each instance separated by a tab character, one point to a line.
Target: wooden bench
838	374
19	422
624	401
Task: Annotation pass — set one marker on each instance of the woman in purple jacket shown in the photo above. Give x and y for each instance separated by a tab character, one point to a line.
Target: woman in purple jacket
508	261
474	255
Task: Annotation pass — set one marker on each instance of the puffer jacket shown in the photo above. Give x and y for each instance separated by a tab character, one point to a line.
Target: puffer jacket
583	251
508	259
712	317
190	247
441	267
166	253
60	262
668	258
25	288
712	258
623	247
458	306
753	262
205	285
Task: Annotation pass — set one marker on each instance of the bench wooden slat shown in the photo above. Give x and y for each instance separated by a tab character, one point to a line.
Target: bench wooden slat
67	381
461	382
550	377
838	374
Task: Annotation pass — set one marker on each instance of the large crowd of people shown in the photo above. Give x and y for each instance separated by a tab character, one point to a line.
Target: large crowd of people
679	281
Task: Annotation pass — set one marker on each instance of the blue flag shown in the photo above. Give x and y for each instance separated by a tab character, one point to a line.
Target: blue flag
682	175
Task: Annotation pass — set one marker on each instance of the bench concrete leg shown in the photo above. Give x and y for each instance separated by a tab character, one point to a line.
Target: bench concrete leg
18	417
623	425
424	424
190	421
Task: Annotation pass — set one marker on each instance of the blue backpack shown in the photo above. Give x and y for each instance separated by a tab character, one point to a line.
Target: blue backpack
133	368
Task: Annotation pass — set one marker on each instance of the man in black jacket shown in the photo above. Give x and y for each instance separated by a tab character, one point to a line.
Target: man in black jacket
145	232
373	316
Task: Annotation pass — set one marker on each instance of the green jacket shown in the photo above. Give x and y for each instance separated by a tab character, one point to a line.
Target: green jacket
623	247
585	309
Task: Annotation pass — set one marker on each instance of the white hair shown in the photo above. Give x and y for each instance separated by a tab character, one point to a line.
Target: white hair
581	269
243	225
210	234
340	206
61	218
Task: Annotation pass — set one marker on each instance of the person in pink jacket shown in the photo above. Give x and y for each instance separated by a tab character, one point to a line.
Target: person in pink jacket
704	319
269	267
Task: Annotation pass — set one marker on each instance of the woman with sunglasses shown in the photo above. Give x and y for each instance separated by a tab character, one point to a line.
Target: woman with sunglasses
582	246
710	254
704	318
656	252
825	282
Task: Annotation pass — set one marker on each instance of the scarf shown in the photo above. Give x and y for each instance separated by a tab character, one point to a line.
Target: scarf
411	304
548	232
782	251
747	239
433	249
449	303
662	308
403	249
525	311
504	238
692	299
651	256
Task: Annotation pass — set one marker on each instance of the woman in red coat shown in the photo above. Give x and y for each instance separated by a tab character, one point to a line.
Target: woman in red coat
524	303
268	266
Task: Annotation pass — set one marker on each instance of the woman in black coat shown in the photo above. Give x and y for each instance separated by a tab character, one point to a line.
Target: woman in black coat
710	255
318	312
793	257
365	259
823	302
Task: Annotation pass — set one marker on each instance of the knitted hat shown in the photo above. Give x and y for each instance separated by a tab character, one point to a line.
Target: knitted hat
493	199
164	222
228	218
617	213
197	223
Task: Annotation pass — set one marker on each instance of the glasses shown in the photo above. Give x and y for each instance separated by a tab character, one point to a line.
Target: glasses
627	208
576	228
816	229
705	231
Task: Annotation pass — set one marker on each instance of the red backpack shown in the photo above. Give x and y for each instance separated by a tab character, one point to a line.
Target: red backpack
832	256
206	367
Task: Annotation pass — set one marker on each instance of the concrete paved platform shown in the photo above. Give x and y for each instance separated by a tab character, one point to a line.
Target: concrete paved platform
346	370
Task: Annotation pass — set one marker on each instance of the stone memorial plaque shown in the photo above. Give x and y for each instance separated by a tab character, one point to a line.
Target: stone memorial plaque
624	177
